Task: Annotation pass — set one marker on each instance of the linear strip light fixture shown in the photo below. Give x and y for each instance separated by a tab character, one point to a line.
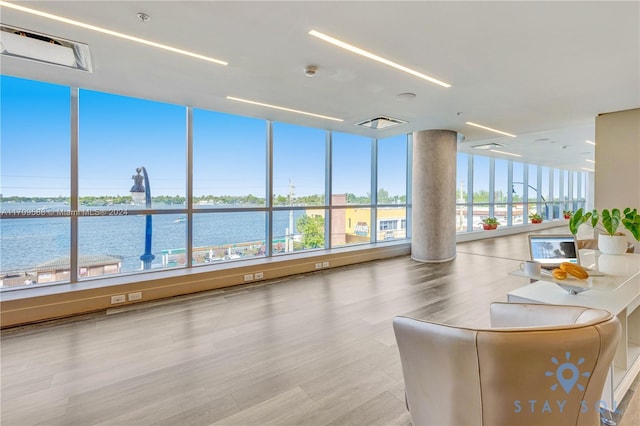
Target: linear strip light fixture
377	58
588	169
590	161
490	129
247	101
110	32
590	142
505	153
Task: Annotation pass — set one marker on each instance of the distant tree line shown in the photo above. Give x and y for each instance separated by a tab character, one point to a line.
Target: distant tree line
228	200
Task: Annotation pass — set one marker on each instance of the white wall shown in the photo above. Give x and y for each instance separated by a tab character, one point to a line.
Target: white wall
617	168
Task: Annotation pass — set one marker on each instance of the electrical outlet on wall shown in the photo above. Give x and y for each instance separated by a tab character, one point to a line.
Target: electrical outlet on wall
135	296
118	299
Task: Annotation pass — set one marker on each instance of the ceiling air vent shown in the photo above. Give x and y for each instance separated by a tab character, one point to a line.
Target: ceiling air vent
488	146
26	44
381	123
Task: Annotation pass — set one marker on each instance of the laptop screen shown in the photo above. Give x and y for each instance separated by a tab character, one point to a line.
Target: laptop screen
553	249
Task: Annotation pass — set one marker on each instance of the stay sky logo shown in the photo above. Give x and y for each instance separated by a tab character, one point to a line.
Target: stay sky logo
567	373
567	376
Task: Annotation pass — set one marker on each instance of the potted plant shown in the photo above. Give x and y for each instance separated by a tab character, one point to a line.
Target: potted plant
567	214
535	217
607	223
489	223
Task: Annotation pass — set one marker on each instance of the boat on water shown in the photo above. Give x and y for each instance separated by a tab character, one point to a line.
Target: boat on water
180	219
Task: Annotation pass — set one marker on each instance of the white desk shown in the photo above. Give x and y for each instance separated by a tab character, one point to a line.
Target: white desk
618	292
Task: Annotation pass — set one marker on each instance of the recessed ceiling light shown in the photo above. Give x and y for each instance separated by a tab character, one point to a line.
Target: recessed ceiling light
505	153
590	142
110	32
247	101
377	58
587	169
490	129
590	161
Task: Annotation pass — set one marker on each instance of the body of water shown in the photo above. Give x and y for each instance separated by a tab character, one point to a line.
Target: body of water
26	243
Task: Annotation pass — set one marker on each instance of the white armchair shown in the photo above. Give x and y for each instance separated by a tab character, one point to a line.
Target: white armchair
537	365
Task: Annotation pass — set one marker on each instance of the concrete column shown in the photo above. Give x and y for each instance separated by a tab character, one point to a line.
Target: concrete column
434	196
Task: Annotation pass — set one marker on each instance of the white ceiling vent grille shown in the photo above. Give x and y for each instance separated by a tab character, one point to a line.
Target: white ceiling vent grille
381	123
26	44
488	146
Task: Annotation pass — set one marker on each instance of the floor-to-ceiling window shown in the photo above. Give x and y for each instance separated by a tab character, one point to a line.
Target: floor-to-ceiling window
299	180
107	184
351	218
501	191
229	188
391	213
510	191
463	200
221	188
481	190
35	180
118	135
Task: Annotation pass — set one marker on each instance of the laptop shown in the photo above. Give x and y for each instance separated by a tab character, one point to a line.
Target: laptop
552	250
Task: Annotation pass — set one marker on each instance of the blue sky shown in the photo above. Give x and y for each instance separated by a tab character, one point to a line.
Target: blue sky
118	134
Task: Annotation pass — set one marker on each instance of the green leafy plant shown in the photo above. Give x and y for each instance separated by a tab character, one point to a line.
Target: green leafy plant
490	221
609	221
535	216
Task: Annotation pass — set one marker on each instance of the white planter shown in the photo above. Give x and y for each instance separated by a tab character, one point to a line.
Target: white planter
616	244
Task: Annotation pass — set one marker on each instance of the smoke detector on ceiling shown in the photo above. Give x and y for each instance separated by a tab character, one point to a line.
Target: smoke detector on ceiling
310	70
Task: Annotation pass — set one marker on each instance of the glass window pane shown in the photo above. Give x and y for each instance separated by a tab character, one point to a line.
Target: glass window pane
565	189
392	223
392	170
110	245
533	190
351	173
350	226
117	135
35	148
34	250
298	230
462	172
220	237
501	191
229	160
557	195
480	179
298	165
517	210
34	180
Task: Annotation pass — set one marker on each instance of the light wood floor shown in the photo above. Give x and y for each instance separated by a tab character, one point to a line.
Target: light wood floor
311	350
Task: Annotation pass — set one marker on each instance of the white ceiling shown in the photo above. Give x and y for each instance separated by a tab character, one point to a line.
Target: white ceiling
542	70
